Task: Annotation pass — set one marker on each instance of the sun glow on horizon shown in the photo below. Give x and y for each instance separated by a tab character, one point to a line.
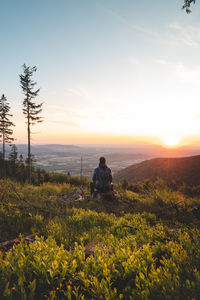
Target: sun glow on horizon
171	141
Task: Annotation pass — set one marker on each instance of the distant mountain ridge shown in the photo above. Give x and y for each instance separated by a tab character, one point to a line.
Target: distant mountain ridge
172	170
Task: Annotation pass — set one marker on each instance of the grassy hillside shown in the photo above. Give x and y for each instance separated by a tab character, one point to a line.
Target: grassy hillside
172	170
142	245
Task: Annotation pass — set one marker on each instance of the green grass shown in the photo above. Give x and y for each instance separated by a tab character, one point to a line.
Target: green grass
140	246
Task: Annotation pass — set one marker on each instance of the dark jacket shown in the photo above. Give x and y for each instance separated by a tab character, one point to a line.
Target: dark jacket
97	175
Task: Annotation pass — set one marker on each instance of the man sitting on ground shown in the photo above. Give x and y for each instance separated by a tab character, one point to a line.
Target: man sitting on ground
102	178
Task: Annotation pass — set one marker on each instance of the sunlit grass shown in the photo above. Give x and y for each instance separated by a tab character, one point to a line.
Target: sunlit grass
146	247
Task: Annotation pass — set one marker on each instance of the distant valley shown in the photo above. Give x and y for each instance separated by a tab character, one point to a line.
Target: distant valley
67	158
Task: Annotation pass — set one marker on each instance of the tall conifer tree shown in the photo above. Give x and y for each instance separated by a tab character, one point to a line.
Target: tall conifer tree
31	110
6	125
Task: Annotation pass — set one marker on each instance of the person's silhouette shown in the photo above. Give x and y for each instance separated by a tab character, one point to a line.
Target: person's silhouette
102	178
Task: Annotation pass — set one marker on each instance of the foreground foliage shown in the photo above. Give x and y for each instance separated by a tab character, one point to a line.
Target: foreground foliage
84	249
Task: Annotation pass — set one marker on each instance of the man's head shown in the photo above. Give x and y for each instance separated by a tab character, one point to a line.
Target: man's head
102	160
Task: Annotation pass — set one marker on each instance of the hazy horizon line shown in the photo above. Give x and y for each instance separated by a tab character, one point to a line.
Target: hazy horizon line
136	144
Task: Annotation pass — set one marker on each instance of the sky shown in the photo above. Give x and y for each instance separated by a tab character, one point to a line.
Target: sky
110	71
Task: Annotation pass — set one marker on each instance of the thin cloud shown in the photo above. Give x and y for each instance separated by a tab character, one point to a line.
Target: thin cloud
163	62
124	21
57	107
179	34
189	75
132	61
187	35
65	123
78	91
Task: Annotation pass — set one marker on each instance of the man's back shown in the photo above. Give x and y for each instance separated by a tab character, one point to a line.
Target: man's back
102	176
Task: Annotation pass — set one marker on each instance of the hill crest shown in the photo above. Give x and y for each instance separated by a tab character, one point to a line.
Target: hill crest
172	170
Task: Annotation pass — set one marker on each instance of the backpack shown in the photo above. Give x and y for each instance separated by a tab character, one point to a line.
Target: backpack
104	177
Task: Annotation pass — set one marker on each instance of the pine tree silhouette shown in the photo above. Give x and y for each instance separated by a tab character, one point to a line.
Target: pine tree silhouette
31	110
6	125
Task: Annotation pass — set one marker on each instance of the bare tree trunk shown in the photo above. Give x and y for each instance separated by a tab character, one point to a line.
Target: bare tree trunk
29	149
4	165
3	143
3	136
29	156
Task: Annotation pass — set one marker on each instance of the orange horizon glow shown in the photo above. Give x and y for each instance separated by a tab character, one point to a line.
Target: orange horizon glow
110	139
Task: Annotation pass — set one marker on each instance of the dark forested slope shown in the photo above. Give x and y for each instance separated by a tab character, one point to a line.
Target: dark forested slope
172	170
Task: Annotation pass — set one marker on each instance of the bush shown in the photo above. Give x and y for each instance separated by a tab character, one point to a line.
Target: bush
88	254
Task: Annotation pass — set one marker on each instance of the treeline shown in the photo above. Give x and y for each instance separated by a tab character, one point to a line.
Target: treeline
16	167
32	111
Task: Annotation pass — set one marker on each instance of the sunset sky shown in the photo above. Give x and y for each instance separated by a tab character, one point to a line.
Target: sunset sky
110	71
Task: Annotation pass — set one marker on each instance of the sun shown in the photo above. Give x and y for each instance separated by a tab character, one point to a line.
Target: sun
171	141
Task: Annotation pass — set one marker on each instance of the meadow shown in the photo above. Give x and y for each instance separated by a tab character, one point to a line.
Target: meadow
144	244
